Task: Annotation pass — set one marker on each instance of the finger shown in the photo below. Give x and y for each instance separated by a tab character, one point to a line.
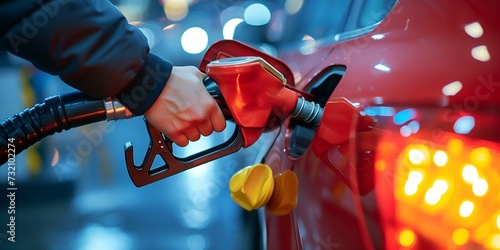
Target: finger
180	140
205	128
217	120
192	134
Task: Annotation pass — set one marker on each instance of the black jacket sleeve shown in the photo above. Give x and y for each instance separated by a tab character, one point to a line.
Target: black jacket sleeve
89	44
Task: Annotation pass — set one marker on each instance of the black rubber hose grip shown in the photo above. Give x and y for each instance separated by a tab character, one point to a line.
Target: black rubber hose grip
55	114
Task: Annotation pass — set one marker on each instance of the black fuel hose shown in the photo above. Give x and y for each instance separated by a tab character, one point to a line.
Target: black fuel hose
55	114
63	112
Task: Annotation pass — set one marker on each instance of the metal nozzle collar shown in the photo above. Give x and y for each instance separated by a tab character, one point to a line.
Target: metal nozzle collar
115	110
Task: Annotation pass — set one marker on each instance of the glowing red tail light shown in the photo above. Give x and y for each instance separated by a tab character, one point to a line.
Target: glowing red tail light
444	195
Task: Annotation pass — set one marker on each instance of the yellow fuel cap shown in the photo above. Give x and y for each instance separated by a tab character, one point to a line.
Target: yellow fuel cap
284	198
252	186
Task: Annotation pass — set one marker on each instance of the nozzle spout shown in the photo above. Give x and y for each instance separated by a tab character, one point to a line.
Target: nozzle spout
307	111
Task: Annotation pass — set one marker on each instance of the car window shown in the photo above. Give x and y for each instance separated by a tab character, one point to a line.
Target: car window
333	19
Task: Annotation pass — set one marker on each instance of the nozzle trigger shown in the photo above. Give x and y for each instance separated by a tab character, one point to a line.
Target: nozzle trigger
160	145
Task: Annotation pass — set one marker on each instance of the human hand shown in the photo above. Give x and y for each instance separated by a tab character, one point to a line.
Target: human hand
185	110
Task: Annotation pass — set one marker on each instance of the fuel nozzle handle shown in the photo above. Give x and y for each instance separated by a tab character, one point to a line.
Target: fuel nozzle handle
308	111
257	93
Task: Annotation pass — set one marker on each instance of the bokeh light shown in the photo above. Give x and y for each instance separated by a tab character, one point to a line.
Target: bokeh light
466	208
229	27
194	40
257	14
176	10
293	6
460	236
406	237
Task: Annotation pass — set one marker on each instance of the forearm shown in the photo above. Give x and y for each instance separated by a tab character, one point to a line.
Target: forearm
89	44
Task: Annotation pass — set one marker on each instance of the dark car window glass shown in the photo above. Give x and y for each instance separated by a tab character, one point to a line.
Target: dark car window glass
318	19
324	19
374	11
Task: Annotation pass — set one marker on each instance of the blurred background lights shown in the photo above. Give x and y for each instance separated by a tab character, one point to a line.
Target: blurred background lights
406	238
194	40
293	6
196	242
467	206
414	179
410	189
475	30
308	45
380	111
132	9
404	115
231	13
460	236
495	241
96	236
432	197
55	157
470	174
194	218
440	186
150	36
405	131
416	156
257	14
175	10
481	53
229	27
433	194
440	158
414	126
169	27
452	88
464	125
455	146
480	156
466	209
480	187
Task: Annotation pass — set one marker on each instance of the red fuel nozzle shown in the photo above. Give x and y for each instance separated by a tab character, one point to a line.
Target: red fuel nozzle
251	92
255	93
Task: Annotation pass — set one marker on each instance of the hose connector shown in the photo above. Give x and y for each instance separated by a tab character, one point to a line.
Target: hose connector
115	110
307	111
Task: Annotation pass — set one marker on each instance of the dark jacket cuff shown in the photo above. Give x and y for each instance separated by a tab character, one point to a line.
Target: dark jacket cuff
145	88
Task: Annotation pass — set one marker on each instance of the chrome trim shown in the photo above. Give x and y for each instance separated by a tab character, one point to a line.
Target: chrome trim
355	33
231	61
115	110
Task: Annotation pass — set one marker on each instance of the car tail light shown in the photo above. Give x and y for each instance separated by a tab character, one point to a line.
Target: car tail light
440	193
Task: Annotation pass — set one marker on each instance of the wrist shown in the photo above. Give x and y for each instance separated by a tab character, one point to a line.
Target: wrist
140	94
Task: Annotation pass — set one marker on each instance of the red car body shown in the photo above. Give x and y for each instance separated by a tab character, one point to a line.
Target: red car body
425	175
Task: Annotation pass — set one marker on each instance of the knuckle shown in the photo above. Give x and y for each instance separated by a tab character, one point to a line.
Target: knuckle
193	136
